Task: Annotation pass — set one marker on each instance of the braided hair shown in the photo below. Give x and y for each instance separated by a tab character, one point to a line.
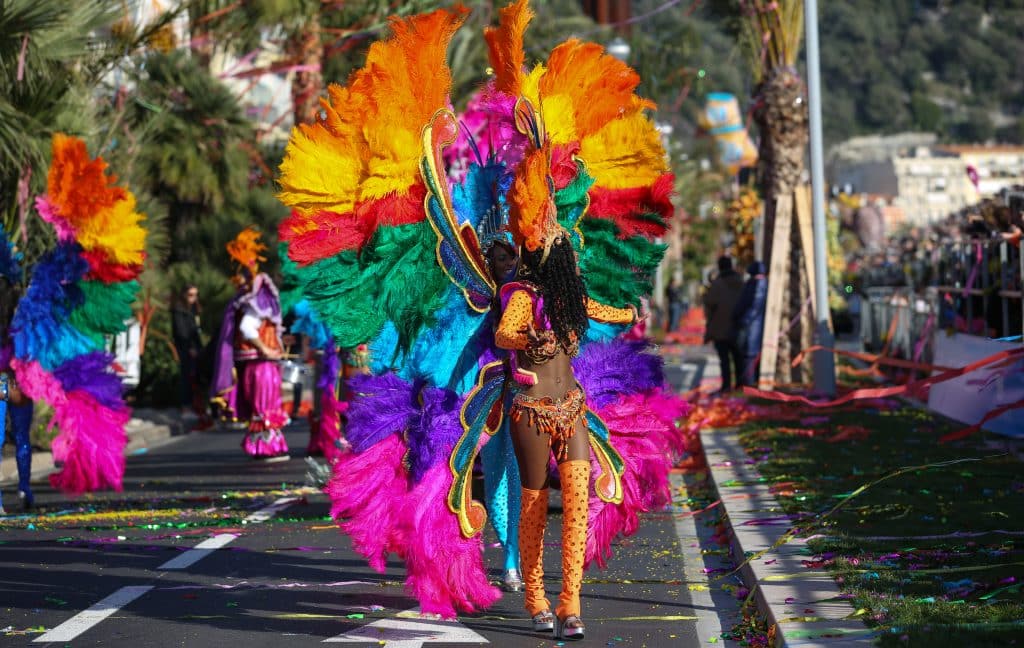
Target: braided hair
565	295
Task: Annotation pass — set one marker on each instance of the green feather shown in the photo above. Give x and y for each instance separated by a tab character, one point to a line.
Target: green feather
401	263
396	277
291	288
106	308
617	271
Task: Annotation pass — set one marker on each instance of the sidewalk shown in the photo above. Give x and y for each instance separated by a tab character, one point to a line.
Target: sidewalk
145	428
801	607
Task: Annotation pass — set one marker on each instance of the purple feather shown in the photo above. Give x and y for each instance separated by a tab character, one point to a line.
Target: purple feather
91	373
331	366
609	370
434	432
382	405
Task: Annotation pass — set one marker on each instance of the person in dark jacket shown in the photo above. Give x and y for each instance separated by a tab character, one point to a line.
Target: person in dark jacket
187	342
749	318
719	304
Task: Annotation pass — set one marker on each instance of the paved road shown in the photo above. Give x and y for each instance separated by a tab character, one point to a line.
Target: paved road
272	570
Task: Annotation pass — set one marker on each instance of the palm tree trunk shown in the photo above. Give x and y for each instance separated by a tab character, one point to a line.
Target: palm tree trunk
782	118
307	50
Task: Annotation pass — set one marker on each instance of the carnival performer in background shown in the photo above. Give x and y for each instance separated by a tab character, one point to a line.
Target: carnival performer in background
247	353
81	291
12	399
388	249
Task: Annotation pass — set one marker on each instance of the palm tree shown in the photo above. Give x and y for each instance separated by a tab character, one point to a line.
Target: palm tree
771	33
48	57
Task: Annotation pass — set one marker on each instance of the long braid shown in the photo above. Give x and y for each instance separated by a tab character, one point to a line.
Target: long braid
565	295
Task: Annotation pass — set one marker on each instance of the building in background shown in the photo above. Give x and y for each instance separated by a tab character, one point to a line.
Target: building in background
926	181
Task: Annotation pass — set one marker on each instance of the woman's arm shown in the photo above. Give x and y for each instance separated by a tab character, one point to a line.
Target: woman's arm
609	314
515	322
249	327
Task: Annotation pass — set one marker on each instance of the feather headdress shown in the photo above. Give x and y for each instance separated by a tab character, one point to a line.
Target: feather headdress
81	291
246	249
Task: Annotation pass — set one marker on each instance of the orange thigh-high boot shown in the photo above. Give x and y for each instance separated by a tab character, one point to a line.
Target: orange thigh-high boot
575	476
533	517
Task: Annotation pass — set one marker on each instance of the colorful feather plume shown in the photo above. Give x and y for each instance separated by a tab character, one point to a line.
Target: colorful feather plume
81	291
247	249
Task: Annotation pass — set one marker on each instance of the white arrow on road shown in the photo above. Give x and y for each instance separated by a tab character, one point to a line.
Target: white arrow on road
409	630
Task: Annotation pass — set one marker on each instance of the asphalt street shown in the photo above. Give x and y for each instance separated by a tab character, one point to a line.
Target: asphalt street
207	547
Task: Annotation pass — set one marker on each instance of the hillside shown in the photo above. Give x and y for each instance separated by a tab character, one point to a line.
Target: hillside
950	67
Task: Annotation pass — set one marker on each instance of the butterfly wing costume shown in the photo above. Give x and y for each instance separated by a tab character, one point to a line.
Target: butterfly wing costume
387	250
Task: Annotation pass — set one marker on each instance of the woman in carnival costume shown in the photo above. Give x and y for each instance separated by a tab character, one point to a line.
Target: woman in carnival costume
247	376
80	292
387	249
12	400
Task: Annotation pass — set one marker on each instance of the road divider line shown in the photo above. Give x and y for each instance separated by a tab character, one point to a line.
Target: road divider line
268	512
86	619
200	551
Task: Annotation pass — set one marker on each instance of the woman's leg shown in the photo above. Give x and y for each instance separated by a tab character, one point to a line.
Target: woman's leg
532	452
21	421
574	473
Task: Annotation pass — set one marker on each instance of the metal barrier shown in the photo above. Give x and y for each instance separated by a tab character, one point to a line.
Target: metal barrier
971	286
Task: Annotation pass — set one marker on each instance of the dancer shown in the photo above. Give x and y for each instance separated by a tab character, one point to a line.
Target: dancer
386	249
546	316
12	399
248	348
81	291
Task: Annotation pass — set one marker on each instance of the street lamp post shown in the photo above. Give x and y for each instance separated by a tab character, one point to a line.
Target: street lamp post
823	361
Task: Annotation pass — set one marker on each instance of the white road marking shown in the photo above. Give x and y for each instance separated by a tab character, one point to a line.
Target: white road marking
710	603
409	630
200	551
86	619
268	512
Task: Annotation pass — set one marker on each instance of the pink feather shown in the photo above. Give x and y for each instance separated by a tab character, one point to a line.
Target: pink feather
91	441
374	505
643	429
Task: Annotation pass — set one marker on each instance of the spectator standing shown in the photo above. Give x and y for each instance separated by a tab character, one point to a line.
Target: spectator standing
675	300
719	305
185	325
749	316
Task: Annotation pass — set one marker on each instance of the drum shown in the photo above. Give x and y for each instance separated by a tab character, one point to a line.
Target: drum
291	371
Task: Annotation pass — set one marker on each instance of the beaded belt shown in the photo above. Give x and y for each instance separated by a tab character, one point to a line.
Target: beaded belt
556	418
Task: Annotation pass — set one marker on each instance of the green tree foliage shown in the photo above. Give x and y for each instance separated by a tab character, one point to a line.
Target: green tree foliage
931	65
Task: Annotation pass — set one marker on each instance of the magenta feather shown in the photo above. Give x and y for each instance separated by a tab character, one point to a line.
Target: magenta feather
644	431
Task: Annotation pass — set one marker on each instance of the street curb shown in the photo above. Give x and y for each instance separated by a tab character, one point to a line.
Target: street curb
145	428
801	603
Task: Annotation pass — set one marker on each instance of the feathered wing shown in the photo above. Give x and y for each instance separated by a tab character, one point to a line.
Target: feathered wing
81	291
358	232
381	251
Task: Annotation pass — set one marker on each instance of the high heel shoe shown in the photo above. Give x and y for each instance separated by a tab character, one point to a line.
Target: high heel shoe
27	500
543	621
564	632
513	582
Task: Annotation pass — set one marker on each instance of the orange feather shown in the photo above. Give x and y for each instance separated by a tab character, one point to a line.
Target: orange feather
505	46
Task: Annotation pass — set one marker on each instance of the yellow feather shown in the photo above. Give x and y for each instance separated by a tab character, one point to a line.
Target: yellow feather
626	153
559	118
320	171
116	231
